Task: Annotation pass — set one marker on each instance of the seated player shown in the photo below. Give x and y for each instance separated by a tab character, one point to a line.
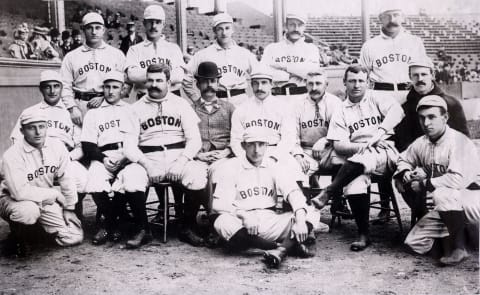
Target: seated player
102	143
440	164
161	142
359	131
245	198
60	126
30	167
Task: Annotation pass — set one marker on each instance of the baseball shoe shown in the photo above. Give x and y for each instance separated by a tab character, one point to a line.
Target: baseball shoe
115	236
13	247
339	208
141	238
382	217
457	256
189	236
273	258
303	251
320	200
361	244
100	237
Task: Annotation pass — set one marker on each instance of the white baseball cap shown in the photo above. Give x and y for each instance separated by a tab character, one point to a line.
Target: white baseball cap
432	101
49	75
32	115
221	18
425	62
300	17
114	75
92	17
261	72
255	134
154	12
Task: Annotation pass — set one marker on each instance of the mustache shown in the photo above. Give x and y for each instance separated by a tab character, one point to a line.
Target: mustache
209	89
315	92
391	24
420	83
155	89
260	91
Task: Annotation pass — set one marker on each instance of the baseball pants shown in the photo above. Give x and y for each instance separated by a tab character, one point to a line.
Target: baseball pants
80	176
99	177
50	217
431	226
328	159
134	178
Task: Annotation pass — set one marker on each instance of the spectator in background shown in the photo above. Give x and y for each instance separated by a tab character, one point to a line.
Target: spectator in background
42	49
55	42
324	58
20	48
116	24
339	57
66	42
77	39
131	38
443	76
259	53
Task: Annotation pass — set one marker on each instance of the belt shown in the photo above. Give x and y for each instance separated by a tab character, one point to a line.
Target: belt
304	144
87	96
111	146
289	90
390	86
160	148
140	94
230	93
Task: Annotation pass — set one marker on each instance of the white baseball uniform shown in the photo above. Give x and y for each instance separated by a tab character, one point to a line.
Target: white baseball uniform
84	69
171	122
60	126
101	126
387	59
450	171
143	54
357	122
242	186
312	120
234	63
28	187
291	62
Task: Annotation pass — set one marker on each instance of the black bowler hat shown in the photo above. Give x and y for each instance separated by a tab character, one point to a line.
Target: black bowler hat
207	70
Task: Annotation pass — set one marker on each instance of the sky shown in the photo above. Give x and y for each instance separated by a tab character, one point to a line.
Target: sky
353	7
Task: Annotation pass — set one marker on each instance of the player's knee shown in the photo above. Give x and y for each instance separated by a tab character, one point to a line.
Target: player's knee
25	213
195	175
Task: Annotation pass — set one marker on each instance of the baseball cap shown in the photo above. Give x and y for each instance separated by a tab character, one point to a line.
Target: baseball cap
92	17
261	72
221	18
432	101
300	17
49	75
32	115
114	75
40	30
154	12
425	62
207	70
255	134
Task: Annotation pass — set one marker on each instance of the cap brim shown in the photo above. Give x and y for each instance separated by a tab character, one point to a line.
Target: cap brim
205	77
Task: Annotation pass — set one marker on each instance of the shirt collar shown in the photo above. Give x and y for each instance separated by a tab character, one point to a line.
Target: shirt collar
266	100
349	103
384	36
105	104
247	165
150	100
44	105
150	43
299	41
86	48
442	138
218	47
29	148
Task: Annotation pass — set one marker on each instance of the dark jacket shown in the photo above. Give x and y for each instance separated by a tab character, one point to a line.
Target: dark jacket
409	128
126	43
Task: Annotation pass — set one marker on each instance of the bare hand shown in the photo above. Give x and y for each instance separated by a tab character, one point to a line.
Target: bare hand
300	230
419	174
71	217
175	172
76	115
153	174
372	142
416	186
110	165
303	163
61	200
95	102
204	157
407	177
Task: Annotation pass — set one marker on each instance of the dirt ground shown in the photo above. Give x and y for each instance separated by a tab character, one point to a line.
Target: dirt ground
385	268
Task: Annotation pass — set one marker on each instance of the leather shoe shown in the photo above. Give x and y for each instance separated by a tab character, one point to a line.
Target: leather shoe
320	200
100	237
190	237
303	251
273	258
141	238
116	236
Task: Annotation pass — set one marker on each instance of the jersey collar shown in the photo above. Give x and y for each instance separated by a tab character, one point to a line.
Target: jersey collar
349	103
44	105
105	104
301	40
29	148
400	34
247	165
86	48
219	48
150	43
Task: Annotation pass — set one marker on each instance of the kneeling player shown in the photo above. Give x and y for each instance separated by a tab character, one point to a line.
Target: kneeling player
30	168
245	199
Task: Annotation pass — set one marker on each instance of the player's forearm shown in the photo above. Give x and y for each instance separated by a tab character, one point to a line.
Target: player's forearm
296	199
347	148
450	180
393	117
193	146
69	190
301	69
136	75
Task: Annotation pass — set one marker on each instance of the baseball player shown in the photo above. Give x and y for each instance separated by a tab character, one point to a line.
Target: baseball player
60	126
291	59
436	165
359	131
245	198
161	143
154	50
84	68
269	113
30	168
102	143
387	55
421	75
234	63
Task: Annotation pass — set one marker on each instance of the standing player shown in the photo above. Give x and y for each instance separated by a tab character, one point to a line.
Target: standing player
387	55
439	165
291	60
28	196
421	75
161	144
246	197
84	68
60	126
154	50
359	131
102	143
234	63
